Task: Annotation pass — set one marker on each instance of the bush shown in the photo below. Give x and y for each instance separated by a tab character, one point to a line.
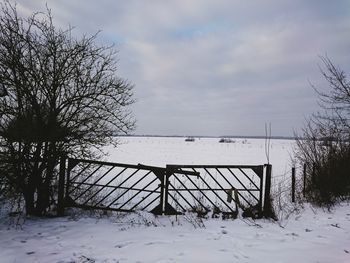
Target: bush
329	178
324	145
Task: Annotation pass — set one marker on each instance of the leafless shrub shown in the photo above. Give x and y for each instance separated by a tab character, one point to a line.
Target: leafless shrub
63	96
324	145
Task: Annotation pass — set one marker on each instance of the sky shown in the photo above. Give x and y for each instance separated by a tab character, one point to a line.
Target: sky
215	68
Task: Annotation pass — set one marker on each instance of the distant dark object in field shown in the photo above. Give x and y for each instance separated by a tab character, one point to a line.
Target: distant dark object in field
189	139
226	140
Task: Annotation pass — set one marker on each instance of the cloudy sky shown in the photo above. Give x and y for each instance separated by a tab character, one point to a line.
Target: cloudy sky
215	67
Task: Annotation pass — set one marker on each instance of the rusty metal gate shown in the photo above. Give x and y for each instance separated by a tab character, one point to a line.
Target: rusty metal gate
173	189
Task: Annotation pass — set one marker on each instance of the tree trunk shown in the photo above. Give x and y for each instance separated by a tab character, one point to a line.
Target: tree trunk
44	190
43	200
29	202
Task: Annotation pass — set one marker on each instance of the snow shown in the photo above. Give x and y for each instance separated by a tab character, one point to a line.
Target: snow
308	235
160	151
317	236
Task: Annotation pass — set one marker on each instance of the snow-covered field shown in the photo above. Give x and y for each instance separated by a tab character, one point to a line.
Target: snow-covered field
309	235
161	151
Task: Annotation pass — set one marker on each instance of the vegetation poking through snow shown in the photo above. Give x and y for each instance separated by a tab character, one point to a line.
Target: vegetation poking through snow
324	147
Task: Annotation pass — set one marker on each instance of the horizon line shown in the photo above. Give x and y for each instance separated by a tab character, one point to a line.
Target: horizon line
212	136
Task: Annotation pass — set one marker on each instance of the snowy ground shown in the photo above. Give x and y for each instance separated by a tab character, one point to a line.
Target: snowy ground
162	151
309	235
312	236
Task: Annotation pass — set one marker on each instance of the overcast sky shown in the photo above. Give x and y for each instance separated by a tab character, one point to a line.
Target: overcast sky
219	67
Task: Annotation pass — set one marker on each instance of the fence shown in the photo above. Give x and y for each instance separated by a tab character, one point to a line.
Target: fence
173	189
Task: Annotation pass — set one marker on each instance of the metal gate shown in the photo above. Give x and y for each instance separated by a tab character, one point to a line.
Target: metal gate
113	186
173	189
215	188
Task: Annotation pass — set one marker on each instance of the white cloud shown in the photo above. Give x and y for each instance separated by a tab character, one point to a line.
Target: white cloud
215	67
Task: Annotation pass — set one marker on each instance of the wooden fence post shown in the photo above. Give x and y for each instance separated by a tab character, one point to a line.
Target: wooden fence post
293	184
304	178
61	184
168	209
267	198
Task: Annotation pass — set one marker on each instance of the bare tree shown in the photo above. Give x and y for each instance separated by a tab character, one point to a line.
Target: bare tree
63	97
324	145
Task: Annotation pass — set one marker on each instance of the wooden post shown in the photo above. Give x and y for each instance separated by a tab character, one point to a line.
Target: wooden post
304	178
260	172
168	209
267	198
167	175
61	183
293	184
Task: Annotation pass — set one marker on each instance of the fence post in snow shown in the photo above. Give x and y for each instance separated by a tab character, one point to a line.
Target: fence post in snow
293	184
304	178
267	199
61	183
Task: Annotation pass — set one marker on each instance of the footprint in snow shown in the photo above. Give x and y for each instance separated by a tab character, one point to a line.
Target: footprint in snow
292	234
155	243
239	257
83	259
121	245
